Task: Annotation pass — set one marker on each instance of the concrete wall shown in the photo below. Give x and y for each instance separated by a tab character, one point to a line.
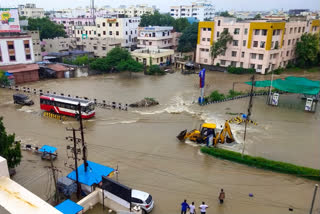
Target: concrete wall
4	171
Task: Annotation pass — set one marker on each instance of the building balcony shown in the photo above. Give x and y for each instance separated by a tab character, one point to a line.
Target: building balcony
155	38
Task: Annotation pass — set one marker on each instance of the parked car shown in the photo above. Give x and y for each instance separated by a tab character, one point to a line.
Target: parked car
142	199
22	99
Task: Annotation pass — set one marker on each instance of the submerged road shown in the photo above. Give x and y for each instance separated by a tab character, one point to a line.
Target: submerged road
142	142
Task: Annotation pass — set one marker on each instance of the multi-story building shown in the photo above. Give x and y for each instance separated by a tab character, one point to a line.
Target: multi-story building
35	35
260	44
30	11
16	49
68	23
131	11
201	10
156	37
125	29
58	44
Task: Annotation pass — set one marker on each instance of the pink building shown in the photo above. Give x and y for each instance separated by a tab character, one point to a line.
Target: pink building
260	44
69	22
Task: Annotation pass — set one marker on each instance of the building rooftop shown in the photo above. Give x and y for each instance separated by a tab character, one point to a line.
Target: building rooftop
57	67
152	51
16	199
69	207
20	68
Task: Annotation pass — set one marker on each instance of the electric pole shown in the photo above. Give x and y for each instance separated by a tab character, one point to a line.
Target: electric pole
75	153
248	115
54	169
84	147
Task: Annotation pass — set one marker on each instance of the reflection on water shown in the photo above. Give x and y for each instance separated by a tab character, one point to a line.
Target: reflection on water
142	142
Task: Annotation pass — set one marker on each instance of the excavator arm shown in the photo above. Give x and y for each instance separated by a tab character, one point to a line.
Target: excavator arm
224	135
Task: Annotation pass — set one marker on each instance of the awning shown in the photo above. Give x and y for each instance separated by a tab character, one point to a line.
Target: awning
93	175
48	149
69	207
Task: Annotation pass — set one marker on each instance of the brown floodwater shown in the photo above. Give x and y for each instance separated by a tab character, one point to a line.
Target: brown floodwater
142	142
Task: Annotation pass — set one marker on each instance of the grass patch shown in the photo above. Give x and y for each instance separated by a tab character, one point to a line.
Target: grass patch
263	163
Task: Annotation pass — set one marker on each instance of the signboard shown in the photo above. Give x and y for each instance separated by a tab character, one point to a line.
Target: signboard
9	20
275	99
111	20
202	76
308	106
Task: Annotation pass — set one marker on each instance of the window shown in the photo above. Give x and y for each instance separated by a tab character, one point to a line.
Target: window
10	46
260	56
241	64
274	32
0	55
103	24
218	33
242	54
245	31
234	53
104	32
295	29
104	48
233	64
26	45
223	62
95	47
262	44
299	29
252	66
110	24
293	41
117	33
135	200
209	29
253	56
256	32
204	29
28	56
244	42
289	41
259	67
303	30
236	31
219	22
255	44
235	42
126	32
264	32
13	58
287	53
208	39
110	33
117	24
291	30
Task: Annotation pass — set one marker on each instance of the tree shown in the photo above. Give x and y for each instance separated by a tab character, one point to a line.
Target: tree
3	78
111	61
307	50
130	65
220	46
79	60
226	14
158	19
257	17
47	28
188	39
9	148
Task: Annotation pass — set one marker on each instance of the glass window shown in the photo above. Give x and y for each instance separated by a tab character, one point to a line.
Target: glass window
234	53
256	32
264	32
245	31
204	29
218	33
235	42
242	54
222	62
255	44
261	56
259	67
236	31
244	42
262	44
253	56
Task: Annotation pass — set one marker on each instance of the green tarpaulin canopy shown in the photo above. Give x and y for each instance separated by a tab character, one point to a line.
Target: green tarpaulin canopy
299	85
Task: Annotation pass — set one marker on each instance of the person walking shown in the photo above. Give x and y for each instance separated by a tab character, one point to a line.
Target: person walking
222	196
203	207
192	208
184	207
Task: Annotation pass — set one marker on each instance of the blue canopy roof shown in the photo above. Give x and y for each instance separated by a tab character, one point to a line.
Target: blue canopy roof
93	175
69	207
48	149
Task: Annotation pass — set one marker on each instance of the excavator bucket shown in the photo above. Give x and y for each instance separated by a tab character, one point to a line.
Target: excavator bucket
182	135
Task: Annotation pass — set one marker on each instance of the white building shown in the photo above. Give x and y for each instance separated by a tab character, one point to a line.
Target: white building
125	29
155	37
16	49
153	56
35	35
30	11
201	10
131	11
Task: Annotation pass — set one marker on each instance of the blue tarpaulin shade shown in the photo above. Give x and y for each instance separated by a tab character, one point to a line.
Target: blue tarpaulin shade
48	149
69	207
93	175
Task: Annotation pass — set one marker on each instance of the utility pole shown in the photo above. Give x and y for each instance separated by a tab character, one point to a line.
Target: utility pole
313	198
248	115
84	147
56	197
75	153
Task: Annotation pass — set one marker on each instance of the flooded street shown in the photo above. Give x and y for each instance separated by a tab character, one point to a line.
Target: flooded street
142	142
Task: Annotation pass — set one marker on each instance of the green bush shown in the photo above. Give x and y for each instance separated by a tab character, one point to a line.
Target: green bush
79	60
290	65
233	93
263	163
3	78
278	70
155	70
239	70
130	65
216	96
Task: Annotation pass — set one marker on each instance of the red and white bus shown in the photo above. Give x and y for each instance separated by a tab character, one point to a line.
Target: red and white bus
67	105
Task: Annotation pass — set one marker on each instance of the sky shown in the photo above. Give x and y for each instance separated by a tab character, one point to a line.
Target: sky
163	5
